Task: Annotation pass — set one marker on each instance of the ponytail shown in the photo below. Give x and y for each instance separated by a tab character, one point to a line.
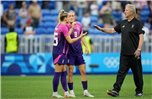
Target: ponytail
62	15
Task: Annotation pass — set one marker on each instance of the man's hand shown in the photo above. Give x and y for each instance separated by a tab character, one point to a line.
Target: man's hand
137	54
98	27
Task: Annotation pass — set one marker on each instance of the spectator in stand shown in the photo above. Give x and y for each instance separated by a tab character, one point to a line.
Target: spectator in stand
150	15
86	21
106	14
94	8
35	13
82	5
72	6
45	4
117	11
29	30
10	16
23	13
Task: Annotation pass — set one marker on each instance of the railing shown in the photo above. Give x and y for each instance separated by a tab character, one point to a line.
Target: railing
44	43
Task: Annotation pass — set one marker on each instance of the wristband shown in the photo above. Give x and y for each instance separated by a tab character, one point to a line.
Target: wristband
139	49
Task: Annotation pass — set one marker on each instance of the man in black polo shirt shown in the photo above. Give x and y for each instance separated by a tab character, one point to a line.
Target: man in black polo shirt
131	45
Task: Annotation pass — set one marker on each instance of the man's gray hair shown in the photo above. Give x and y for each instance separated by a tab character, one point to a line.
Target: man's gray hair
133	8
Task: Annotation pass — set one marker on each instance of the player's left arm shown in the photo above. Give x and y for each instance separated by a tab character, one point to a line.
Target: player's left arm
141	41
140	32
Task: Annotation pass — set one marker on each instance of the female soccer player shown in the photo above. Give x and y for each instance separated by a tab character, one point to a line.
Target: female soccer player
60	48
75	56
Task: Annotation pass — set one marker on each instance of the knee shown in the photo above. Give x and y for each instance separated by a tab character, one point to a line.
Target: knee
70	77
70	73
70	70
83	73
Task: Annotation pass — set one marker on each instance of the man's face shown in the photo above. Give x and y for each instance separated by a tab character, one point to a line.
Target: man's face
128	12
71	17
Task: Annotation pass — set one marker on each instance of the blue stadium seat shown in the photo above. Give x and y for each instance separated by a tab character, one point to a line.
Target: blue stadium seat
18	19
4	30
52	4
41	25
40	31
46	12
117	15
7	3
19	30
144	15
146	8
40	2
50	31
54	12
94	31
79	18
94	19
49	19
17	11
50	24
47	25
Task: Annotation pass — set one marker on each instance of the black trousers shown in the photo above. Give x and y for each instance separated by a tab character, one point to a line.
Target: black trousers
127	62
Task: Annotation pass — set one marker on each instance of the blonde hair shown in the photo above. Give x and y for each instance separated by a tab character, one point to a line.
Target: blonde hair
62	15
133	8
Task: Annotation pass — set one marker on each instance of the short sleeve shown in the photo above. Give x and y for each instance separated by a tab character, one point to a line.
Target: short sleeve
139	28
65	31
117	28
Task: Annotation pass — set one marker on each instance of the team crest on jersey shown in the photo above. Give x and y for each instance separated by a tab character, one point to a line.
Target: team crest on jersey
123	26
132	26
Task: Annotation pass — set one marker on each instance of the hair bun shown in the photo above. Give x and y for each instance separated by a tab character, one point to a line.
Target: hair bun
62	11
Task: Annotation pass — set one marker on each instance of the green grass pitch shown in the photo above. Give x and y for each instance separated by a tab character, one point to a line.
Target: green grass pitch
40	87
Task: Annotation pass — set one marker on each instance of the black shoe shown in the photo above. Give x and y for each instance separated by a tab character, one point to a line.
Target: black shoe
139	94
112	93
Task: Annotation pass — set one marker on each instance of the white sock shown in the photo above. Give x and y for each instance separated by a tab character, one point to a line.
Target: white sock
55	93
85	90
66	92
71	91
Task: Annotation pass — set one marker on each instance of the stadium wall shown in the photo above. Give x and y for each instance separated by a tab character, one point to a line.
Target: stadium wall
42	63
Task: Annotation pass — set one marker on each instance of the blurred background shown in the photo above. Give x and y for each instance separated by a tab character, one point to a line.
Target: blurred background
34	22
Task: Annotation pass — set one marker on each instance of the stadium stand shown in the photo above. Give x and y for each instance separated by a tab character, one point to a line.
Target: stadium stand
49	17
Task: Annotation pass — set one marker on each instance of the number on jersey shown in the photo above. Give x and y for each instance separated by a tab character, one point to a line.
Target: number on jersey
75	34
55	39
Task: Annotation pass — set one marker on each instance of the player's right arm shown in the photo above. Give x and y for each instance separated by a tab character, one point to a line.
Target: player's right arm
72	40
106	30
68	37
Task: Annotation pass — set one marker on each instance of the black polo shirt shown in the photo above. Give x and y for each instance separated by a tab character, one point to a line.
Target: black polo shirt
130	31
